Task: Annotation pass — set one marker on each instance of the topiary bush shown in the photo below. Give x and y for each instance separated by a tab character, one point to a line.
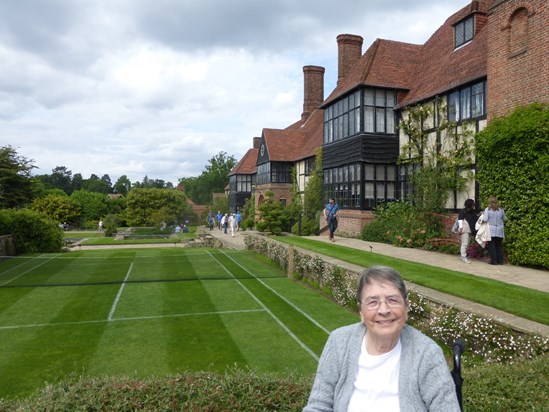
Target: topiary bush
34	232
513	164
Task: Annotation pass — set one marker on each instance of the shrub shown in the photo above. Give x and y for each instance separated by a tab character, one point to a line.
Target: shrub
402	224
34	232
513	164
520	386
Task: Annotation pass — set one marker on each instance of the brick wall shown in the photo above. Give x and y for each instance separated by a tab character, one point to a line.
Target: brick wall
349	51
313	93
350	222
518	55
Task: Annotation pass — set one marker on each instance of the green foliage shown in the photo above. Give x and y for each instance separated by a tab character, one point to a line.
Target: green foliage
213	179
149	207
435	168
312	198
109	225
123	185
403	224
34	232
273	218
236	390
95	184
505	388
152	184
248	214
221	204
16	186
93	206
58	208
513	164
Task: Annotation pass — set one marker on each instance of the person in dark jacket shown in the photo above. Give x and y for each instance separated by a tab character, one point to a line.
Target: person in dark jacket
467	219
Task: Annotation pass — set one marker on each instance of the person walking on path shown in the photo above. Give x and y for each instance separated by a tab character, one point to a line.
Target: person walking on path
467	219
225	222
232	223
495	216
219	217
331	210
238	218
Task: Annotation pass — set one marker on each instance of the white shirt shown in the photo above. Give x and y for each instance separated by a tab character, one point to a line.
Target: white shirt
376	383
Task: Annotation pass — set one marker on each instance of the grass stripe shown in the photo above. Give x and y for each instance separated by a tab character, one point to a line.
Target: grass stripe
282	297
128	319
27	271
113	307
275	318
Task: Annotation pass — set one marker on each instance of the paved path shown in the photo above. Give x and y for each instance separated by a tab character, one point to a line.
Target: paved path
516	275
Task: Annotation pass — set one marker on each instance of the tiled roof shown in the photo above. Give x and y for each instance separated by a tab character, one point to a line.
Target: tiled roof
422	70
246	165
385	64
442	68
295	143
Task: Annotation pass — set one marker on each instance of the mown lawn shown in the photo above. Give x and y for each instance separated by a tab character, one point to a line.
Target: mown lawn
524	302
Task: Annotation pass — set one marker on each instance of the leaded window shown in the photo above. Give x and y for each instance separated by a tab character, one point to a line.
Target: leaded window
464	31
467	103
342	119
379	116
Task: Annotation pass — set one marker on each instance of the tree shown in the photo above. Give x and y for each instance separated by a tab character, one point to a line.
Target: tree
77	182
95	184
58	208
61	178
123	185
17	188
144	205
93	206
213	179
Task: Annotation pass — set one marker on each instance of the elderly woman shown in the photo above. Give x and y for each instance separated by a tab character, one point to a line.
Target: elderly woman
382	364
495	216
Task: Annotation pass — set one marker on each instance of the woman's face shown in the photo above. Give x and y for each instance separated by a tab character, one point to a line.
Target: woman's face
383	310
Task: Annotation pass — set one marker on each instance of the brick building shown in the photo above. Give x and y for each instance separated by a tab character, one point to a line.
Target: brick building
485	60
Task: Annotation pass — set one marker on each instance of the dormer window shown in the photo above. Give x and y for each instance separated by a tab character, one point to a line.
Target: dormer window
464	31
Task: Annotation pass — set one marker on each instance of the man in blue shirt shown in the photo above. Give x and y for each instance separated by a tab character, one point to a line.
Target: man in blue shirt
331	211
219	216
238	218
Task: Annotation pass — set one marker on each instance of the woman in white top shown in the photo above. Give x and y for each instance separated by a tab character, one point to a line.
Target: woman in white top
382	364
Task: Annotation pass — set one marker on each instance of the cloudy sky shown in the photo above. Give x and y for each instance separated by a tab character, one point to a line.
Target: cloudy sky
159	87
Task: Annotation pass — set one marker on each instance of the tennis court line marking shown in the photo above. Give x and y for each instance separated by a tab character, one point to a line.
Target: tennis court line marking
85	322
275	318
27	271
26	260
281	297
113	307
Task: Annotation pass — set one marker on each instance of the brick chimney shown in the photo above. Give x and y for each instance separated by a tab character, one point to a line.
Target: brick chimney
257	142
349	52
313	94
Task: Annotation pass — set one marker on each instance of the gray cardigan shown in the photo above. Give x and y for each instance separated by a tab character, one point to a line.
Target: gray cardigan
424	382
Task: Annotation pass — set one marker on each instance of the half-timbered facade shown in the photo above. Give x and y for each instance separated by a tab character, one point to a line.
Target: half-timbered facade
486	59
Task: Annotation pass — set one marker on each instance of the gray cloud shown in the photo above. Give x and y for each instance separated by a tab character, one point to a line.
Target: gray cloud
159	87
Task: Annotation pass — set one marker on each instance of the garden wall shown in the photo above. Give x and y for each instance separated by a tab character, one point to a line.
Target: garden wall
7	245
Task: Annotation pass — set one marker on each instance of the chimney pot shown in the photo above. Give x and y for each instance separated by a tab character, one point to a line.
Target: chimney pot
256	142
313	93
349	52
